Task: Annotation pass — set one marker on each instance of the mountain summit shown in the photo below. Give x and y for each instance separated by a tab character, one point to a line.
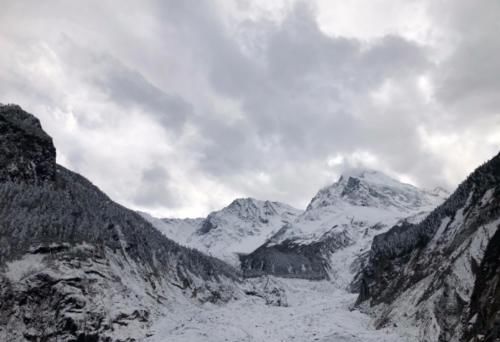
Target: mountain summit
241	227
343	216
361	195
370	188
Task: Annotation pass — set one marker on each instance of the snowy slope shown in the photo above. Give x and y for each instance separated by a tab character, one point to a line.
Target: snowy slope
431	277
179	230
344	216
238	228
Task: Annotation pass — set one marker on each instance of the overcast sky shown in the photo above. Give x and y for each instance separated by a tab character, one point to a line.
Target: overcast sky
177	107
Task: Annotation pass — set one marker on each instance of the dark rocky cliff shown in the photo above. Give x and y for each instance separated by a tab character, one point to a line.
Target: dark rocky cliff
483	318
435	264
26	151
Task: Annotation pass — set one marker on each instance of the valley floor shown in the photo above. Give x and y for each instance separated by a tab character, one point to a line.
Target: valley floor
317	311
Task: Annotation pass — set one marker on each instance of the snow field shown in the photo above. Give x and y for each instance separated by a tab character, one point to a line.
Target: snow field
317	311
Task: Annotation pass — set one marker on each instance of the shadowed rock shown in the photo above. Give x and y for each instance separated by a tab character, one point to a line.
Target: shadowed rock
27	153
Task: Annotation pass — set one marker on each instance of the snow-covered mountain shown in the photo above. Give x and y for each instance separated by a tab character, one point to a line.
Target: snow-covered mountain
74	265
439	279
338	226
239	228
179	230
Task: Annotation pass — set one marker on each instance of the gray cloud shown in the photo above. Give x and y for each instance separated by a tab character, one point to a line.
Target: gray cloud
468	80
155	190
130	88
194	104
299	102
125	86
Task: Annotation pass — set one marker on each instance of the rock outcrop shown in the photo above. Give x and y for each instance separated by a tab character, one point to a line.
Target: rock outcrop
26	151
483	316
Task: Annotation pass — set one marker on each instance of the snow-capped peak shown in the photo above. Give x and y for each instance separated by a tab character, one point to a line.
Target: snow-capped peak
361	198
364	173
370	188
338	227
250	208
241	227
254	211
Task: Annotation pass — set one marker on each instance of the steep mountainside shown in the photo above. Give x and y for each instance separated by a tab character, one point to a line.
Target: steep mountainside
74	265
337	227
179	230
439	277
483	316
239	228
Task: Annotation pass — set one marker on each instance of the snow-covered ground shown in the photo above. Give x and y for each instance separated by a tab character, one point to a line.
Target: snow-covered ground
316	311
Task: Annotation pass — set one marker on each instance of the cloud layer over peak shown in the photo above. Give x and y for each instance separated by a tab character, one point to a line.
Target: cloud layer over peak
177	107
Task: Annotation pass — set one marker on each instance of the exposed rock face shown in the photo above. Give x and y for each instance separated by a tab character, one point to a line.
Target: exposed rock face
269	289
425	273
75	266
291	260
483	319
343	217
73	294
26	151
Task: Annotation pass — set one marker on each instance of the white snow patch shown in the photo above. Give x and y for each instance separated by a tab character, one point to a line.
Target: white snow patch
487	197
29	264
